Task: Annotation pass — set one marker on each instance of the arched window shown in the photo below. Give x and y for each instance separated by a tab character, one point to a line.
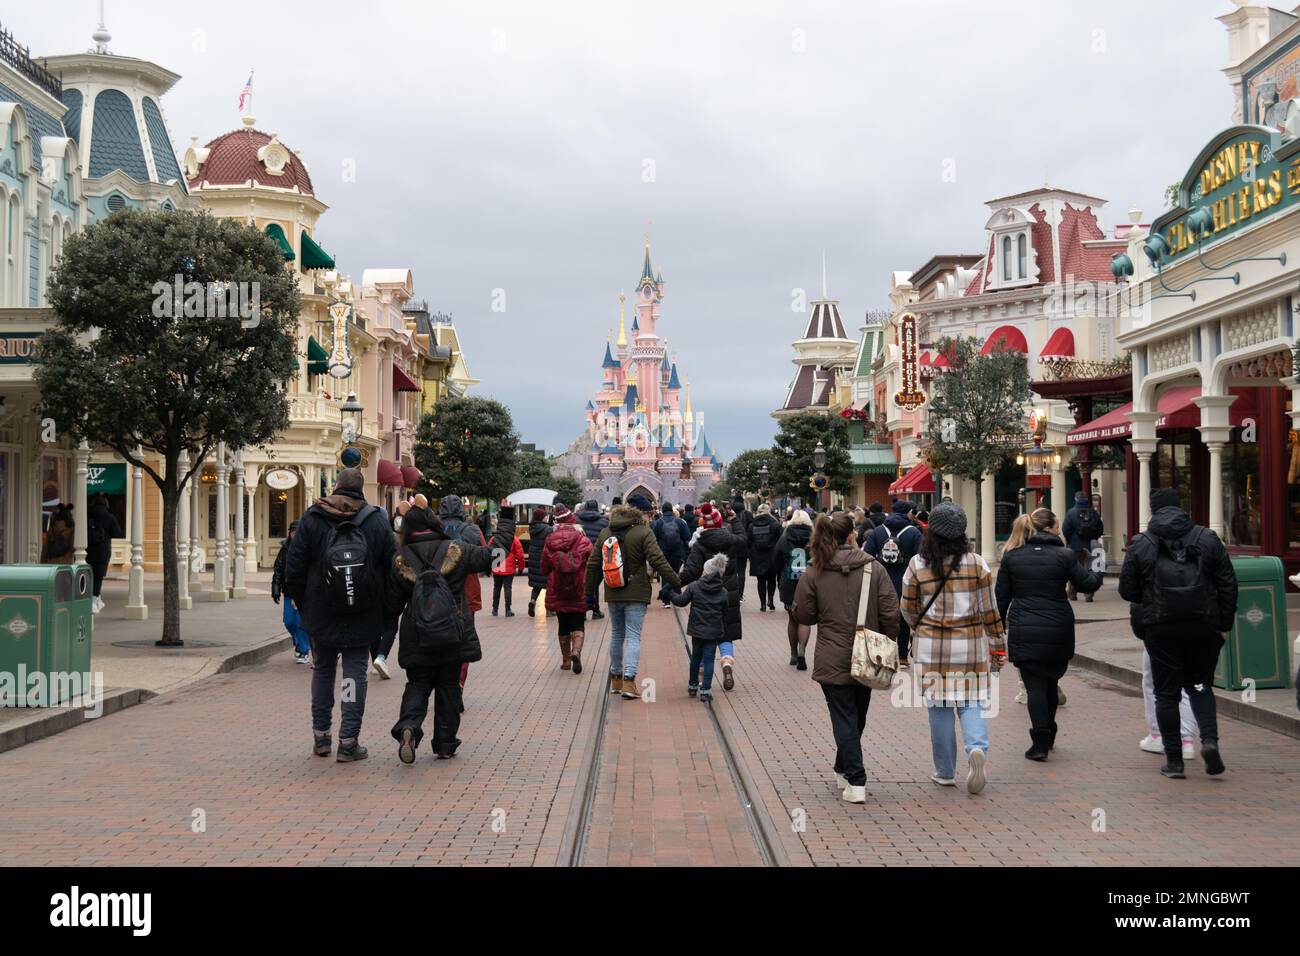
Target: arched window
1022	256
1006	258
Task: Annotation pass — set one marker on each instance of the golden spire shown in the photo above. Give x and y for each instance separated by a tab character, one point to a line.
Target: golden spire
690	416
622	328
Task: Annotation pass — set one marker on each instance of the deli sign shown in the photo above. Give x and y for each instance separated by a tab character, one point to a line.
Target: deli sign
909	397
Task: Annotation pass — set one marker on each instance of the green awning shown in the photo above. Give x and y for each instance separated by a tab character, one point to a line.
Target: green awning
109	479
871	458
317	357
313	256
276	233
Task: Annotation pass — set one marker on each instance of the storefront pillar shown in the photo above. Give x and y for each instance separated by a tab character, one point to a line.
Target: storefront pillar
197	564
1216	431
80	530
136	609
221	558
239	588
183	532
310	486
251	480
1059	505
988	519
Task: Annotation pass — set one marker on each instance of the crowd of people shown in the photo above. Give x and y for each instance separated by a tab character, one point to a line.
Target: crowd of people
354	580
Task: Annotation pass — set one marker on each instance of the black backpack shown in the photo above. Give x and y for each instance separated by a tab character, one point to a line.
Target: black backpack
97	533
1179	587
670	534
763	535
433	610
1085	524
349	581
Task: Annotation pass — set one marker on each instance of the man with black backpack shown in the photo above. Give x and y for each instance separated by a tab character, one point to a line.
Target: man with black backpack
1081	529
1182	580
335	572
894	543
673	536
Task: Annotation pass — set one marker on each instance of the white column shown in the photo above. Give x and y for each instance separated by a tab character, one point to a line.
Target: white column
239	589
988	536
136	609
1216	487
1144	444
251	482
196	580
183	533
80	530
1216	431
1144	488
221	561
311	483
1059	504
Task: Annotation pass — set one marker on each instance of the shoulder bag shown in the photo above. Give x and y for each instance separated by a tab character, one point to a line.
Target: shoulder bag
875	655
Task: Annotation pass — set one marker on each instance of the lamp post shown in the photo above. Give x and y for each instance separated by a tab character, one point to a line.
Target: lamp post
1038	461
819	481
351	422
763	490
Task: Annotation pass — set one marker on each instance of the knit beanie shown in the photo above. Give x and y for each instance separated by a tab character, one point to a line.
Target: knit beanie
420	519
539	514
903	507
1164	498
640	503
716	566
710	517
948	521
564	515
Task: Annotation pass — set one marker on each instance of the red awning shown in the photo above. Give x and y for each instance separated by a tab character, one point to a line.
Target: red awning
1176	411
924	359
1006	338
390	473
1059	345
411	476
940	361
918	480
402	382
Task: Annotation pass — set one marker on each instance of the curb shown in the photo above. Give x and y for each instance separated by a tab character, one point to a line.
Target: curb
58	721
254	655
1227	703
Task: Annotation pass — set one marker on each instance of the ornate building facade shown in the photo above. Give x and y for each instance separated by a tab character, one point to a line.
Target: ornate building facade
644	437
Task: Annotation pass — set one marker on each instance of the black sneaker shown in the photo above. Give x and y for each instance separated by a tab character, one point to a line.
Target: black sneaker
597	615
794	659
1173	769
692	690
802	664
323	745
406	749
510	613
532	609
1213	762
350	750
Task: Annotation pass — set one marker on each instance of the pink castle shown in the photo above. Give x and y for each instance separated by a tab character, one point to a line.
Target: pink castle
645	438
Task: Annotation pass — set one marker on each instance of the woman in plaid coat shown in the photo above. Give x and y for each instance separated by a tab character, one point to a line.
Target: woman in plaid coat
957	642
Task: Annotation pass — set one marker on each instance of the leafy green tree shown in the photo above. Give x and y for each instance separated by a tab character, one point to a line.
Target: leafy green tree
532	470
466	446
161	376
792	453
718	491
745	470
568	491
977	413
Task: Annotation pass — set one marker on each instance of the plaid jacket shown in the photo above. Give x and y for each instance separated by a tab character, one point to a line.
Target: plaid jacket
952	645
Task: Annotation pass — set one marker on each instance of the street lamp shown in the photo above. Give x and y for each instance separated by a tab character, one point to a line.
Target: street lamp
819	481
819	456
350	420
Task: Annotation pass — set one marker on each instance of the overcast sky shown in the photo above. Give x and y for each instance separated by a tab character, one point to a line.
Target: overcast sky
507	146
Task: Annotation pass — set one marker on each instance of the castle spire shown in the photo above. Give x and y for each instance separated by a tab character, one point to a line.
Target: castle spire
101	36
622	328
689	416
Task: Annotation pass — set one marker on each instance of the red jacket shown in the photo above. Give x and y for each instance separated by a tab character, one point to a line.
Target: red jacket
513	563
566	546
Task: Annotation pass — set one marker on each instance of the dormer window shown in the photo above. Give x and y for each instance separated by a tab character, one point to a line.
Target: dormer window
1013	254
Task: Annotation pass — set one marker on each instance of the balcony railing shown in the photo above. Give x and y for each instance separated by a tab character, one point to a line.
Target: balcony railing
17	56
315	409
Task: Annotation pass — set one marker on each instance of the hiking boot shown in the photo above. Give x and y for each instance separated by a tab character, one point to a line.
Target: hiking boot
575	649
566	652
1213	761
1173	769
629	688
350	750
324	744
406	748
616	683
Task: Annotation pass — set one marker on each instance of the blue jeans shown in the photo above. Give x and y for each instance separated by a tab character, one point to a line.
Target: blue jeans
625	620
293	624
703	653
727	649
943	733
355	660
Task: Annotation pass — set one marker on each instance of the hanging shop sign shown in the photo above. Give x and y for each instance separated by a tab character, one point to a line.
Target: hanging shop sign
340	360
108	479
281	479
1244	175
20	348
909	397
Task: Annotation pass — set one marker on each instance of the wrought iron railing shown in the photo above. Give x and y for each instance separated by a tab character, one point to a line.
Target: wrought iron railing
1064	368
18	56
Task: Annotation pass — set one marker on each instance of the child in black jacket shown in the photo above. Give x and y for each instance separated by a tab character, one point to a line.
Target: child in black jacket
708	600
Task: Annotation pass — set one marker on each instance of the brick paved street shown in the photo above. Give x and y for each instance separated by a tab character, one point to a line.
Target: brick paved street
124	789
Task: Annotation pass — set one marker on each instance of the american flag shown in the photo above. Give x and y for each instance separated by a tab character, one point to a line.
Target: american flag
246	92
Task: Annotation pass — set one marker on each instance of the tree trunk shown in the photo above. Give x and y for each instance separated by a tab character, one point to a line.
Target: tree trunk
979	514
171	494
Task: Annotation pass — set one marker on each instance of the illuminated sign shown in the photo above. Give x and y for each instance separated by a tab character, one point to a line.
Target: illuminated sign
909	397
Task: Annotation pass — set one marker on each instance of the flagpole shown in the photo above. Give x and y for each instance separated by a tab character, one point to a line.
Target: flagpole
250	91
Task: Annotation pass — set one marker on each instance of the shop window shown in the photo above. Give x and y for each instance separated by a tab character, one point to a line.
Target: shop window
1006	258
1022	256
1292	487
1173	469
1241	493
277	524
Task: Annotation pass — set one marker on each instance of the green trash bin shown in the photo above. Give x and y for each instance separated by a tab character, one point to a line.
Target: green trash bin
45	633
1257	644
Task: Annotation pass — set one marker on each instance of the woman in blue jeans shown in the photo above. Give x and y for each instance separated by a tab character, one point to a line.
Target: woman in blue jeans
289	613
957	640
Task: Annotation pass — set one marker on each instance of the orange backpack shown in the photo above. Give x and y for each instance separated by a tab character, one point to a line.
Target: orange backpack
611	555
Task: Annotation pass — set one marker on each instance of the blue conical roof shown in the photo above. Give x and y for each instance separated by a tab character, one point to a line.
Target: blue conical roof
629	400
647	272
635	326
702	450
674	382
665	365
590	407
609	359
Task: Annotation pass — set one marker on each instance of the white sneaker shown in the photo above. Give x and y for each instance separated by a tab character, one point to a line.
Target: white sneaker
1022	695
96	605
841	781
1189	749
943	781
381	667
854	794
975	778
1151	744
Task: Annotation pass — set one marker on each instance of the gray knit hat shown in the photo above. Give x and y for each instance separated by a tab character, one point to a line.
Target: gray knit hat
948	521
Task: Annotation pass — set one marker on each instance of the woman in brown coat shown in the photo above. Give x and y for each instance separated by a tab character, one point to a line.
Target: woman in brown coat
828	596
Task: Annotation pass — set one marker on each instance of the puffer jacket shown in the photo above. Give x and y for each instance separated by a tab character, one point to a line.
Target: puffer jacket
512	562
592	521
456	524
537	534
909	542
1136	577
704	545
708	600
1032	602
764	534
459	563
791	559
828	597
639	549
566	545
304	571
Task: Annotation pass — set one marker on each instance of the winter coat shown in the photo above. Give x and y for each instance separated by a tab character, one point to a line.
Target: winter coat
673	537
1136	577
708	600
514	561
459	563
592	522
740	526
456	525
1032	602
1070	528
704	545
691	518
277	570
537	534
57	548
909	542
828	597
304	571
639	548
791	559
764	533
565	592
101	529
